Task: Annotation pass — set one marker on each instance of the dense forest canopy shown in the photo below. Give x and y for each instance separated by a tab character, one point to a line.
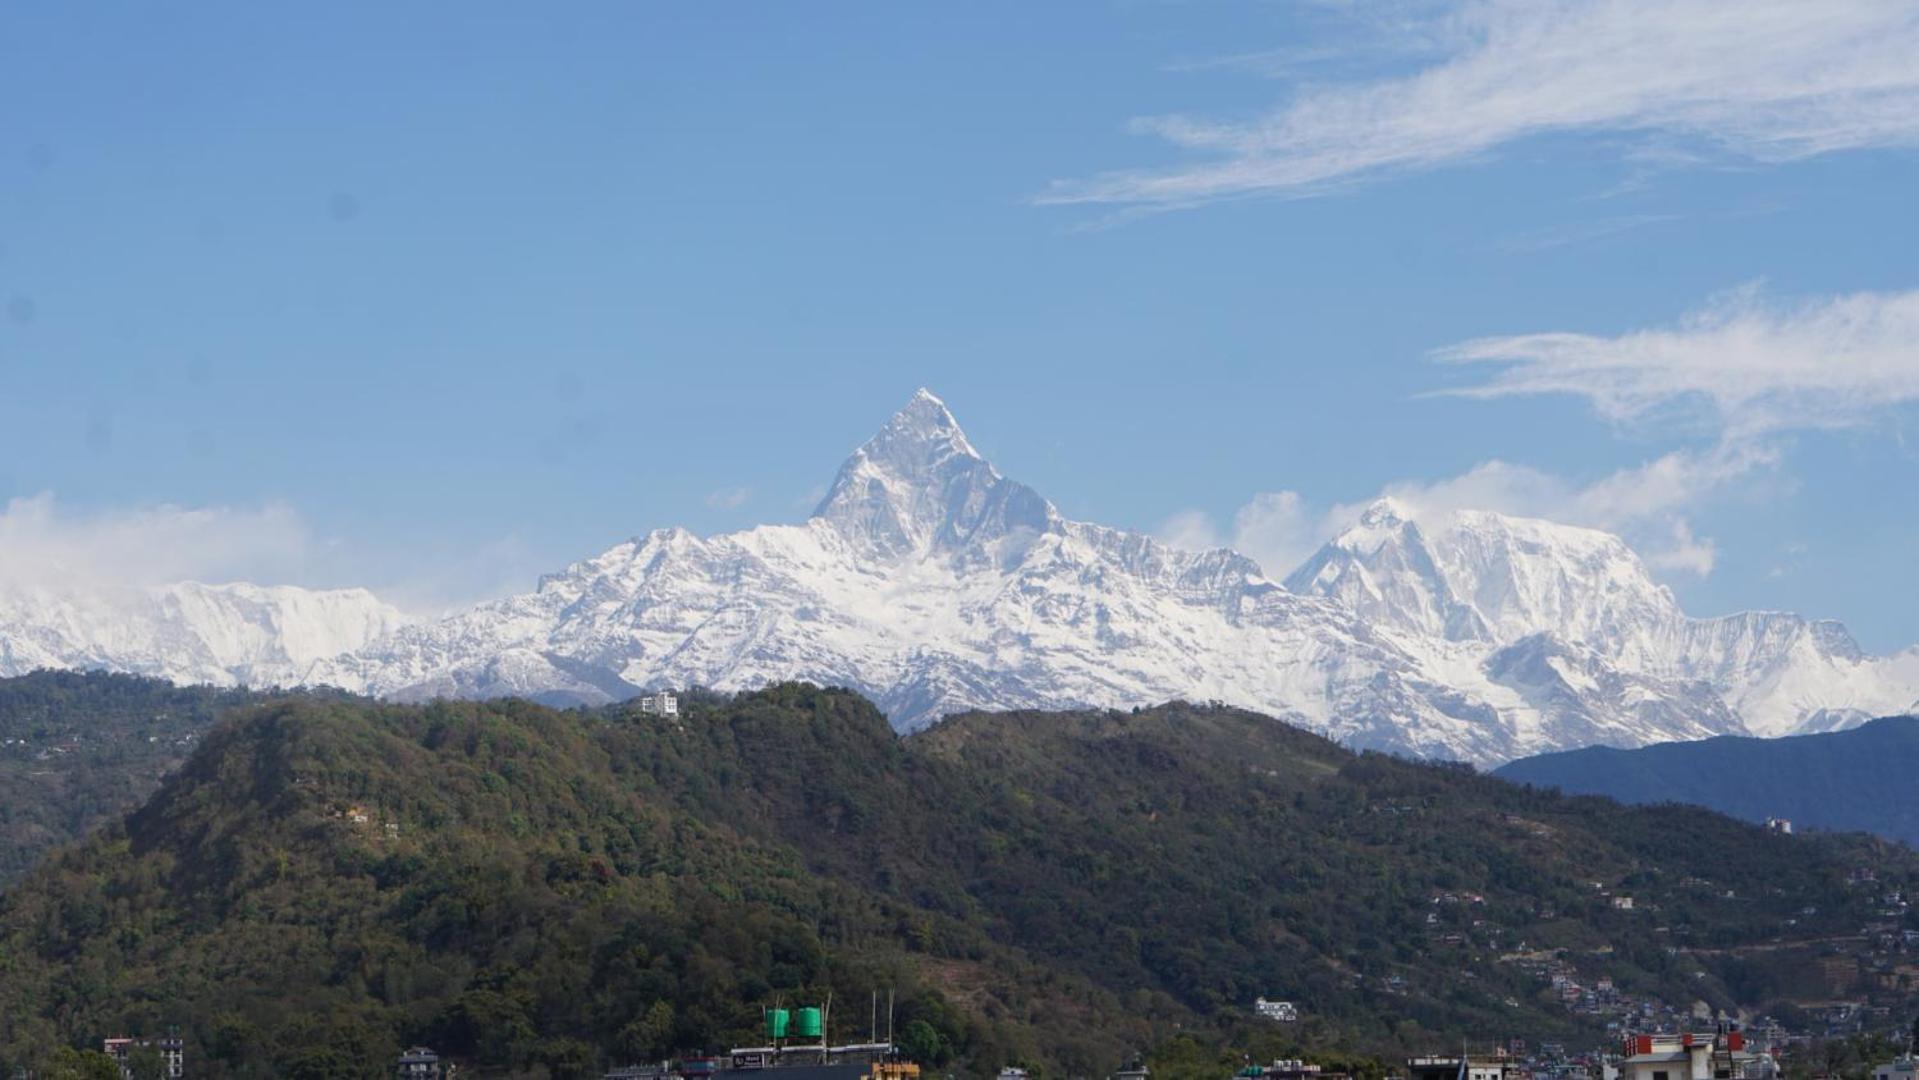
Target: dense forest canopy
534	891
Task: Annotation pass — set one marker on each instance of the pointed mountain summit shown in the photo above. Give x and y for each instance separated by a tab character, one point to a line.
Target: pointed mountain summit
919	487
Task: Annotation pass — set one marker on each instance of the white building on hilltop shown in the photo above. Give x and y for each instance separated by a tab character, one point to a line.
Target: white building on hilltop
660	704
1282	1011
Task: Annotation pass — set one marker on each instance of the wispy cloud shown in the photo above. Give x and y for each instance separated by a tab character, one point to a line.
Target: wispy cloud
1744	370
1579	232
43	543
1760	80
1647	504
1744	364
731	498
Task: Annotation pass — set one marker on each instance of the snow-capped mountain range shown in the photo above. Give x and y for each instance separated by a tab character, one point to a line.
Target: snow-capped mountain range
933	584
225	635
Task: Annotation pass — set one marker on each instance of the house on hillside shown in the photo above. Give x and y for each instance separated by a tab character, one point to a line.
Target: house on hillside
122	1048
663	703
1284	1012
418	1063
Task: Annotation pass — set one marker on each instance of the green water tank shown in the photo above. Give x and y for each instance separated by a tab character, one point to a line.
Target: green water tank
806	1023
776	1023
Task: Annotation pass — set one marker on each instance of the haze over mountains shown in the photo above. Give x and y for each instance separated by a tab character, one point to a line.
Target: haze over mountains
931	583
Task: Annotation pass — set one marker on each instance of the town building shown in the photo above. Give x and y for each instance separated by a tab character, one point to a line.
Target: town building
1692	1056
1288	1069
1467	1067
1779	825
1900	1068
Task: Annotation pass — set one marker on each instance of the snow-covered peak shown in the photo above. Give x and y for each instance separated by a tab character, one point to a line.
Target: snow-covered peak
1483	576
918	487
1382	568
1384	512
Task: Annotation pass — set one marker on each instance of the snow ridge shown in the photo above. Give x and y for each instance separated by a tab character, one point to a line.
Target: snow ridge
933	584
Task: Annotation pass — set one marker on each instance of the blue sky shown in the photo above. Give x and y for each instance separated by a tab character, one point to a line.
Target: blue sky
438	298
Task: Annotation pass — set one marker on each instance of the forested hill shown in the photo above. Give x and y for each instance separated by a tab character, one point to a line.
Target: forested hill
1855	779
79	749
327	880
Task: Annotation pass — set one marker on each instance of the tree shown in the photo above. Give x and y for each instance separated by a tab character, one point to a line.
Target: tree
71	1064
920	1042
147	1063
648	1037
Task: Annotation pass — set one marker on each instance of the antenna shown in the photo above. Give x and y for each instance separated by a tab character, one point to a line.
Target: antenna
873	1020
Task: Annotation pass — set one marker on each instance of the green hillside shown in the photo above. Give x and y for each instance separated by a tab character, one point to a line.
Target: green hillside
77	750
547	892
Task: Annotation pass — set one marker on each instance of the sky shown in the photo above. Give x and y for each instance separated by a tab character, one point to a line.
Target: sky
437	297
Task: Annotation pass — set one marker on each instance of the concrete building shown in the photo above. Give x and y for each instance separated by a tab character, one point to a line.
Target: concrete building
1494	1067
1284	1012
1692	1056
419	1063
1468	1067
172	1053
663	703
1900	1068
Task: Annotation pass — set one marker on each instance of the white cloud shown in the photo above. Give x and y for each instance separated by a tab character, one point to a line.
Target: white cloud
1683	553
1742	364
42	543
729	498
1617	501
1646	504
1190	530
1278	531
1760	80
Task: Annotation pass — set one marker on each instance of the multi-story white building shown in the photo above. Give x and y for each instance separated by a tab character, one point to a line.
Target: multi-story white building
1692	1056
122	1047
1284	1012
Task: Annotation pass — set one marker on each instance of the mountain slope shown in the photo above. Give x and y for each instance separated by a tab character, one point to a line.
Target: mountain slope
1484	582
931	583
566	890
78	750
1855	779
